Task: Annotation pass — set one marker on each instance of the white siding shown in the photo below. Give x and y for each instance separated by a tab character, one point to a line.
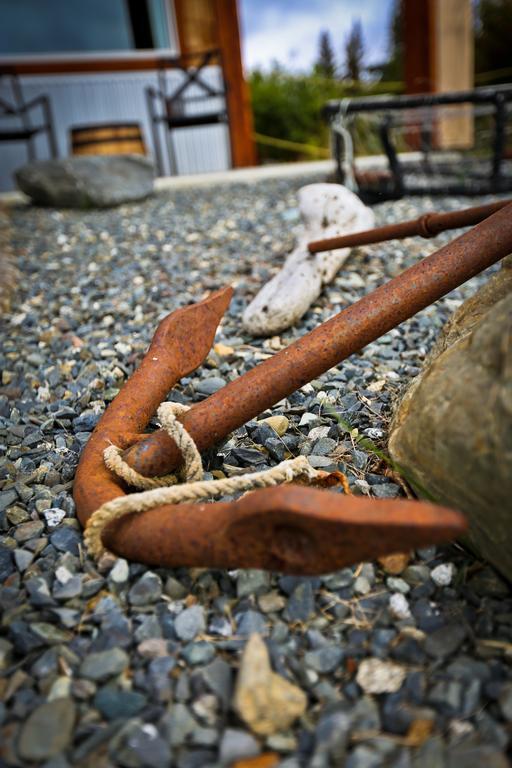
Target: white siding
116	97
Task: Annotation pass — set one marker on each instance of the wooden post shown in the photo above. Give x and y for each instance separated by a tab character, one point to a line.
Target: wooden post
438	57
419	45
454	69
239	106
204	24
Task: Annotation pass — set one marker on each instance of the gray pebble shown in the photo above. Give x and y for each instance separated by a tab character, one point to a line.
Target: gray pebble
505	702
252	582
416	574
250	622
325	659
66	539
209	386
180	723
445	641
198	653
47	731
23	559
7	498
362	586
143	747
324	447
114	703
237	745
175	589
147	590
30	530
386	491
190	622
104	664
217	677
301	604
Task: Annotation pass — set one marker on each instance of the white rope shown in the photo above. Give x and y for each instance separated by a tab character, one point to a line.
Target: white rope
339	126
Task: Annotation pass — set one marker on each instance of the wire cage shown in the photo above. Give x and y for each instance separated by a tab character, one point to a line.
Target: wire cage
451	143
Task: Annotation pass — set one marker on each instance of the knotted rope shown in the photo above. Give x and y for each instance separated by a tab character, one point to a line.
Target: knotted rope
166	490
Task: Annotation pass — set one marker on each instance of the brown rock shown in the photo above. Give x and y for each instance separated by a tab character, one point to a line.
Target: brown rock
278	423
268	760
395	564
265	701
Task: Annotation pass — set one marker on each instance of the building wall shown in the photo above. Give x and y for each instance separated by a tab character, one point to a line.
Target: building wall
114	97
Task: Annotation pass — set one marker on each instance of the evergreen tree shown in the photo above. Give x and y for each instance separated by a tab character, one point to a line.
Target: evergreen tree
354	52
493	38
392	69
326	62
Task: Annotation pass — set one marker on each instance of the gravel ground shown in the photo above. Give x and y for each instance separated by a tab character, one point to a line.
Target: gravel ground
119	665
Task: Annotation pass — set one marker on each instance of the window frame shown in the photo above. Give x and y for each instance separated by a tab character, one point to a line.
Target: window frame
118	60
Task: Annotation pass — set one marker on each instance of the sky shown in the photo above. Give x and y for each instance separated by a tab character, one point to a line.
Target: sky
287	31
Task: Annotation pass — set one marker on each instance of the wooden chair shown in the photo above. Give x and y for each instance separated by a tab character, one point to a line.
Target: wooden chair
17	113
170	109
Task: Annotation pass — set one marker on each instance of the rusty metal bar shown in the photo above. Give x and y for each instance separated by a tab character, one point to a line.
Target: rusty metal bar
428	225
348	332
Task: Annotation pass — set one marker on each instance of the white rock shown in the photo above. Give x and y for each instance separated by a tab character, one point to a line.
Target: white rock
325	399
377	676
443	574
43	394
60	688
122	348
54	516
327	210
308	418
63	574
120	572
399	606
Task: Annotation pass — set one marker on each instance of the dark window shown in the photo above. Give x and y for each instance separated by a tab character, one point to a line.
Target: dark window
72	26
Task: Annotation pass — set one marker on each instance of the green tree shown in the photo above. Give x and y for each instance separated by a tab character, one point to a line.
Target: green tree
393	68
354	52
290	106
325	65
493	38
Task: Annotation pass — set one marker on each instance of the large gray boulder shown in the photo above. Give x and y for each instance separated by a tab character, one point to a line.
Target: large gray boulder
92	181
452	432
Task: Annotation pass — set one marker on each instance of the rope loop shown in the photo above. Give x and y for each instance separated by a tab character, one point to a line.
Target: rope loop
163	490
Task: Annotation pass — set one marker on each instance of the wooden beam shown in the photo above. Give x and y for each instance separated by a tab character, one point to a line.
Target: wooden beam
243	151
419	46
75	65
197	25
455	70
214	24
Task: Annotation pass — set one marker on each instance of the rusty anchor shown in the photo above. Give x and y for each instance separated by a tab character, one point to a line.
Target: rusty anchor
288	528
